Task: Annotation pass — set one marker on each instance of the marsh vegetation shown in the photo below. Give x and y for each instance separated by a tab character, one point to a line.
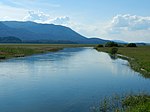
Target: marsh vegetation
126	103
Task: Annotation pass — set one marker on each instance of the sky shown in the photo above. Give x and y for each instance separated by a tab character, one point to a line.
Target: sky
127	20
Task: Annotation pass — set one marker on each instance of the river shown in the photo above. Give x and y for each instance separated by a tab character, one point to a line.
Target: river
70	80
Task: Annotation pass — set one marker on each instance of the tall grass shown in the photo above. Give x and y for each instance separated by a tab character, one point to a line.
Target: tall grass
19	50
127	103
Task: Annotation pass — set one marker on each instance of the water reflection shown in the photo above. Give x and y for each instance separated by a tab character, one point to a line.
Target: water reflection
113	57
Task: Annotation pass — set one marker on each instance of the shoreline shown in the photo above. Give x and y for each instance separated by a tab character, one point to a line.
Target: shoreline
133	102
11	56
8	51
134	65
133	62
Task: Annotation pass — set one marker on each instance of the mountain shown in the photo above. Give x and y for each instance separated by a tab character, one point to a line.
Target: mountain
120	41
97	40
37	32
10	40
20	33
142	43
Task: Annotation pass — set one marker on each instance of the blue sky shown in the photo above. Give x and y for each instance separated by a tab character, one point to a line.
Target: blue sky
127	20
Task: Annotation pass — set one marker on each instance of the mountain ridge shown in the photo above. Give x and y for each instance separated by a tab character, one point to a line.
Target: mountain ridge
31	31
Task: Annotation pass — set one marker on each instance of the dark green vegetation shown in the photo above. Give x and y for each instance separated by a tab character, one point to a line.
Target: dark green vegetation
137	103
138	57
111	44
113	50
128	103
99	45
131	45
20	50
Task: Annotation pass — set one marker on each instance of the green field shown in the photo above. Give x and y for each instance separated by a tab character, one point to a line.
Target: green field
139	57
21	50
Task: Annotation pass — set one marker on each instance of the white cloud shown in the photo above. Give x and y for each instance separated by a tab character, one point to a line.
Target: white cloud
41	17
127	27
129	23
60	20
36	16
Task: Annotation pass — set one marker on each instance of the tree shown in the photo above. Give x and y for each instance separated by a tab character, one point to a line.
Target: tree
131	45
113	50
99	45
111	44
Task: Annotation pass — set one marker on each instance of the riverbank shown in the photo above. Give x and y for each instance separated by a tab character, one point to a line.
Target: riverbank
138	57
20	50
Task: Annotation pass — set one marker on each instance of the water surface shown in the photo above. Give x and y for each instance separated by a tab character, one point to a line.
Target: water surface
71	80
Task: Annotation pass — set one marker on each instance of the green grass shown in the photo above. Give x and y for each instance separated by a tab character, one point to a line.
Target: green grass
137	103
139	57
127	103
20	50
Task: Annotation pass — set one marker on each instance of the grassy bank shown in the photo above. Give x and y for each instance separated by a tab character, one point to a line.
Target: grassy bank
139	57
127	103
137	103
21	50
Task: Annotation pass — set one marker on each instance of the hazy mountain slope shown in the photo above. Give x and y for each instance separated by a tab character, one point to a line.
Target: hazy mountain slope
10	40
31	31
47	31
23	34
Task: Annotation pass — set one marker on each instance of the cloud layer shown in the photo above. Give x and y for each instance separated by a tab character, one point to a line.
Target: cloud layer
129	23
60	20
36	16
45	18
128	27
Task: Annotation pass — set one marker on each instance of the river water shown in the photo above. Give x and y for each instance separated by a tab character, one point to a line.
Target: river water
71	80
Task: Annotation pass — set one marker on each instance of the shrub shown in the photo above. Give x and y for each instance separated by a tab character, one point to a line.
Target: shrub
111	44
113	50
131	45
2	57
99	45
